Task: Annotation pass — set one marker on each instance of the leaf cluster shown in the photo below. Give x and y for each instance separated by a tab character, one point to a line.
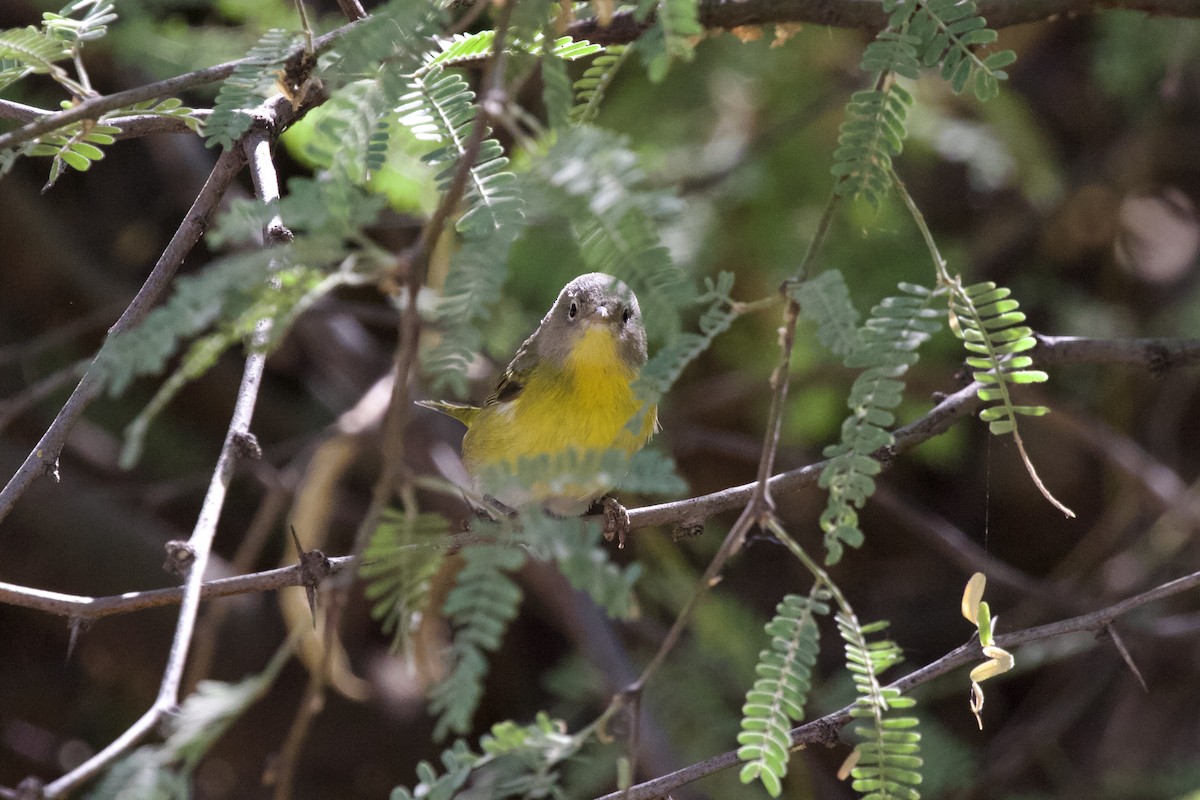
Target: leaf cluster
987	319
778	696
884	348
164	771
515	761
888	761
673	35
398	566
253	80
919	34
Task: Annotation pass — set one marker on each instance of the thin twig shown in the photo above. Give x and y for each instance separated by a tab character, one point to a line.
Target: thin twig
826	729
413	263
78	607
679	513
131	126
273	115
352	9
93	108
199	547
43	459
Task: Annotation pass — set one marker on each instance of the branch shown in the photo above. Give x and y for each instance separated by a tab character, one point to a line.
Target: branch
825	729
43	459
131	126
413	263
276	114
81	608
196	551
862	14
1157	355
680	513
94	107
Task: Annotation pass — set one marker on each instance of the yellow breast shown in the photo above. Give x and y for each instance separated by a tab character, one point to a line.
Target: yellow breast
587	405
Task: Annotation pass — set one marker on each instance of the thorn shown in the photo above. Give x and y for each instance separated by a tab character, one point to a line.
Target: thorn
31	789
1125	655
314	567
77	625
245	445
686	530
180	556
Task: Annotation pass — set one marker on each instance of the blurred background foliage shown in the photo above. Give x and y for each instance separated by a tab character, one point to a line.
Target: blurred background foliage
1076	187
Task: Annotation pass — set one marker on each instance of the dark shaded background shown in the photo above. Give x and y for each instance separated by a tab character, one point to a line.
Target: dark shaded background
1076	188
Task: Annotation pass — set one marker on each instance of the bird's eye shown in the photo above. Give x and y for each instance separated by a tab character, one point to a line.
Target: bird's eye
626	314
573	310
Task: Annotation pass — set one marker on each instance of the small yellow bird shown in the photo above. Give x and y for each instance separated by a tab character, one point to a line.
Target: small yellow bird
568	388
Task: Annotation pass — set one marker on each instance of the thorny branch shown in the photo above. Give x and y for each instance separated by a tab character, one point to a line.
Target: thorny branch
412	266
193	554
685	513
276	114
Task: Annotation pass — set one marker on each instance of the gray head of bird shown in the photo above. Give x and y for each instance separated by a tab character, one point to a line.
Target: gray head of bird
589	301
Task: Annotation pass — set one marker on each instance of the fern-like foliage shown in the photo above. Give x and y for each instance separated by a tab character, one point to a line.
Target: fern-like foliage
592	86
884	348
163	771
289	292
97	15
668	363
516	761
78	145
482	603
870	137
223	303
777	698
351	135
888	765
673	35
75	147
398	565
949	32
465	49
196	303
441	108
171	107
919	33
457	761
253	80
577	547
30	51
36	51
987	319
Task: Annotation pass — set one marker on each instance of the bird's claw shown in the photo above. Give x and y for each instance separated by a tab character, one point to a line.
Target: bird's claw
616	521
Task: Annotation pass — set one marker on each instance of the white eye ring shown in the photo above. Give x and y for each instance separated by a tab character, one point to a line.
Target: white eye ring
626	315
573	310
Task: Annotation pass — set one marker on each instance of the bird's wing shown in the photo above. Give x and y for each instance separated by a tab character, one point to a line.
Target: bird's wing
514	377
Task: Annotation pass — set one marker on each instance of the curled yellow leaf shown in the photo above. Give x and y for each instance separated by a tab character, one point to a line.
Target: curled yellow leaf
972	596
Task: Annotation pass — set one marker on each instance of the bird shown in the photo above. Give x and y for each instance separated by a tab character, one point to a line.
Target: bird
568	390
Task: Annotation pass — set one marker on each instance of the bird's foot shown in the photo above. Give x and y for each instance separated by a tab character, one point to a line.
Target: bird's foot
616	521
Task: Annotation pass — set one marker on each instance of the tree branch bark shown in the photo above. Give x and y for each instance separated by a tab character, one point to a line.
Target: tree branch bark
865	15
